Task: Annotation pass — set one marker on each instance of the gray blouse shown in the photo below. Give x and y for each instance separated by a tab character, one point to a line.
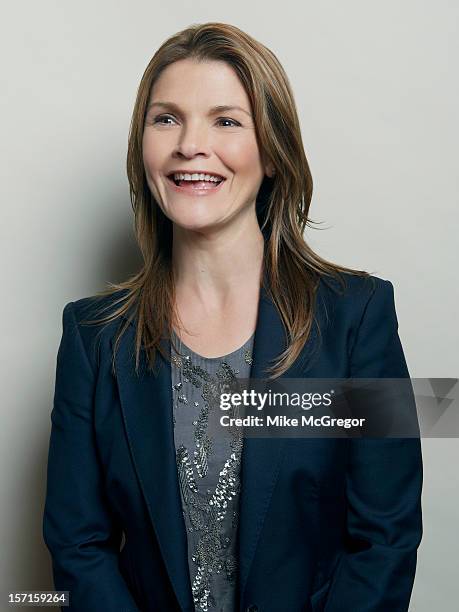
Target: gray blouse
209	466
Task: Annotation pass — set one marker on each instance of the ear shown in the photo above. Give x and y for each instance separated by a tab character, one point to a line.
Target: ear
270	169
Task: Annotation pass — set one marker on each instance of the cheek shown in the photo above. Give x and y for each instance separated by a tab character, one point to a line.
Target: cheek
242	156
152	154
151	163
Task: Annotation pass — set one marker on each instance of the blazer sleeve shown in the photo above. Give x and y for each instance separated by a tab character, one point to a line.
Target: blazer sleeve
383	484
81	535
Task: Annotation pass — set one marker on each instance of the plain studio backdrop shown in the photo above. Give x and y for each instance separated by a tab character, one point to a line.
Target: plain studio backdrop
376	89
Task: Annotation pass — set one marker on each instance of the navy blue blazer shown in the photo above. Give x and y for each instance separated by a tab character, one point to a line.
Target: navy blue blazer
330	524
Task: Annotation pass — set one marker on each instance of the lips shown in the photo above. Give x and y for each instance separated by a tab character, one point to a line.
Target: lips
195	188
181	183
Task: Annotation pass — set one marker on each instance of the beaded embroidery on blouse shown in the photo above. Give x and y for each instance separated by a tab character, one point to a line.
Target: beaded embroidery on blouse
207	510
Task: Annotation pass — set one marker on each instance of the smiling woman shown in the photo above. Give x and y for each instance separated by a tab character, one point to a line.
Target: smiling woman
193	139
150	504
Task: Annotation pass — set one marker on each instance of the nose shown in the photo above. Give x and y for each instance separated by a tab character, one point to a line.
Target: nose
193	140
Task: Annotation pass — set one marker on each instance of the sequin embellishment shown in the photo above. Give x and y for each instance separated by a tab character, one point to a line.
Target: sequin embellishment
206	510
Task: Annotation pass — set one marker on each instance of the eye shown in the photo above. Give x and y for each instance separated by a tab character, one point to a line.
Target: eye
159	119
231	120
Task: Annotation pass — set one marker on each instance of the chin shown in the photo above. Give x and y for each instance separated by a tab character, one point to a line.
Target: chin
196	220
202	228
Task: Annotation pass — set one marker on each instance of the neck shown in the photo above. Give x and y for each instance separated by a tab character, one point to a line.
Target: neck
218	265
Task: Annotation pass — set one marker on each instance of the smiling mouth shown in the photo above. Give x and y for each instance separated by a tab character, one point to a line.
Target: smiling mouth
200	185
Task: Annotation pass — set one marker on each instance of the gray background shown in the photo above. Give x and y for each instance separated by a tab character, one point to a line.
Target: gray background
375	85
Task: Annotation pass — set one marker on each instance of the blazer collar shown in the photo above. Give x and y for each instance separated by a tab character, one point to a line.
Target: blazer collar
146	403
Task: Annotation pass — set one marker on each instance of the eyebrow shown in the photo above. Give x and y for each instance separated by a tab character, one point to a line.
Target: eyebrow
220	108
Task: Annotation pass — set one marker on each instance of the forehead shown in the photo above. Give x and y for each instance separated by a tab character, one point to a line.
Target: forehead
200	83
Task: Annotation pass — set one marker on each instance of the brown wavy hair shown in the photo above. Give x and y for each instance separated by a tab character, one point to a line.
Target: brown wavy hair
291	270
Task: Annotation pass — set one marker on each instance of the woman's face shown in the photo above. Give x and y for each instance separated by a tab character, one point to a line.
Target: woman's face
187	134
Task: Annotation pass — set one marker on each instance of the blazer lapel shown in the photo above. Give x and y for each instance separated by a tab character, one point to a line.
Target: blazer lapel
146	403
261	457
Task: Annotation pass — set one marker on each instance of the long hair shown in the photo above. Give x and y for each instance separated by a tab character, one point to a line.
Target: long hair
291	270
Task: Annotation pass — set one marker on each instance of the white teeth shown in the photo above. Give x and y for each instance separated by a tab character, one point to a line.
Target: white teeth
196	177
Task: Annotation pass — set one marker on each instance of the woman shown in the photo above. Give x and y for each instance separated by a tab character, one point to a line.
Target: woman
149	505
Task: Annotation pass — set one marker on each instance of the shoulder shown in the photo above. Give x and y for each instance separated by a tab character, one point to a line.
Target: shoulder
86	318
355	286
355	291
360	319
97	306
348	303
